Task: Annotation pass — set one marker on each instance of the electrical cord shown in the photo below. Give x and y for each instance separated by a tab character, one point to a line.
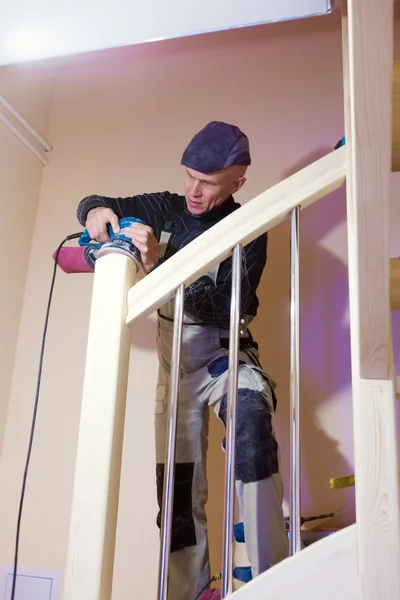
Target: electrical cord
35	407
213	578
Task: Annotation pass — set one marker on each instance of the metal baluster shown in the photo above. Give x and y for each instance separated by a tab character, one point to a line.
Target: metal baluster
294	513
227	557
169	467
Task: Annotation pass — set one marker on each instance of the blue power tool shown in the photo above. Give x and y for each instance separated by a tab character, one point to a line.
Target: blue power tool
117	242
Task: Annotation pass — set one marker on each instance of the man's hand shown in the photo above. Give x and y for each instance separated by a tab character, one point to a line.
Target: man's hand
97	221
144	239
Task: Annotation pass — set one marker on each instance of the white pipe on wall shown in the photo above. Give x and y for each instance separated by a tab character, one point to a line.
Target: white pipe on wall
23	139
25	124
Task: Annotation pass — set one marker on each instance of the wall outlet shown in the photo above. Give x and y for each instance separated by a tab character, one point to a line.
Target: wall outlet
31	584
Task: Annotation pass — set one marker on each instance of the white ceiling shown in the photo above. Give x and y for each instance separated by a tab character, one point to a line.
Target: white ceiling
35	29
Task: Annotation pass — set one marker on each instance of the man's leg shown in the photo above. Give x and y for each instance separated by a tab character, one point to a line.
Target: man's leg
265	537
259	483
189	567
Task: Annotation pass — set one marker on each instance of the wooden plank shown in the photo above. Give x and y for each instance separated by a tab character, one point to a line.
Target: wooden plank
325	570
395	283
377	489
368	140
367	59
96	488
251	220
396	117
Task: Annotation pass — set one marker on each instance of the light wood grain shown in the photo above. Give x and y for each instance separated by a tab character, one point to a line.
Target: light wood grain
367	53
326	570
368	96
251	220
395	283
96	488
377	488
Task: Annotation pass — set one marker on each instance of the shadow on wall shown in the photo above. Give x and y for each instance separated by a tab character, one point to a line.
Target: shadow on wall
324	347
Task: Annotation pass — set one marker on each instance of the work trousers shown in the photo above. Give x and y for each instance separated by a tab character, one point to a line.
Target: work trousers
203	385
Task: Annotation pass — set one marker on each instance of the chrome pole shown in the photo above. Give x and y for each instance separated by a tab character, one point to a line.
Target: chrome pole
169	468
294	512
230	450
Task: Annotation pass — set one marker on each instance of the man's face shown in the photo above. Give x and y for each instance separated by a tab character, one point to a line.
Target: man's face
205	192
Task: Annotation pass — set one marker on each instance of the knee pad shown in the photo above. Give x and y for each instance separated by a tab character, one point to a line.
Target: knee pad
183	532
256	446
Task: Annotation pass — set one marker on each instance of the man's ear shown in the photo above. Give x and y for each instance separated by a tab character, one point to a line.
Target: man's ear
238	184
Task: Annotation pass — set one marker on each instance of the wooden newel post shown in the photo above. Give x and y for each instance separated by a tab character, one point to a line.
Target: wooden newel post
91	545
368	73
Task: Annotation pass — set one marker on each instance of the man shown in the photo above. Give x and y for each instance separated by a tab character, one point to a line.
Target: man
215	161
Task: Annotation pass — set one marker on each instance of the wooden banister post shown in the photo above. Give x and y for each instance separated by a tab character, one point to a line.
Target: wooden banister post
368	68
91	546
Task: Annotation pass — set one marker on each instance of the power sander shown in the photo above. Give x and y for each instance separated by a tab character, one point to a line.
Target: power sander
82	258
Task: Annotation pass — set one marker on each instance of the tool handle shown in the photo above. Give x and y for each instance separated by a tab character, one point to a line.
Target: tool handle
338	483
85	238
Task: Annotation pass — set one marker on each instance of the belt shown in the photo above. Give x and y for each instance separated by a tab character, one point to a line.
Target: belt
244	343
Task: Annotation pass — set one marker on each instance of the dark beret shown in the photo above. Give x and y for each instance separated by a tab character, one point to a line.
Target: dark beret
217	146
